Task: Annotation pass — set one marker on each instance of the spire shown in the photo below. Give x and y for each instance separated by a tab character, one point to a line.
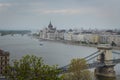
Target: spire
50	21
50	26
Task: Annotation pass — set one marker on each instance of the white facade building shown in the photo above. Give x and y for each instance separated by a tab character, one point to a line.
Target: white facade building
68	36
60	34
78	37
88	38
115	39
104	39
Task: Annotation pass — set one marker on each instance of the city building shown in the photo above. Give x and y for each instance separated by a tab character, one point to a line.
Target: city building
48	33
88	38
104	39
78	37
81	37
95	38
68	36
75	37
60	34
4	61
115	39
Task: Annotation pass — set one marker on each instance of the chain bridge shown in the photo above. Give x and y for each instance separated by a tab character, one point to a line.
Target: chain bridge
103	60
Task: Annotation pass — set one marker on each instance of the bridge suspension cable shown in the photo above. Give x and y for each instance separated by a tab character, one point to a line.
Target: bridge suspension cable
94	56
115	52
66	66
91	54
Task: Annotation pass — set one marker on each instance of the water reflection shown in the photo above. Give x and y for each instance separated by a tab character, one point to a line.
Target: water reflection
105	78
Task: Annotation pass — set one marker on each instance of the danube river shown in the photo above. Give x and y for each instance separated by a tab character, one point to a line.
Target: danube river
52	52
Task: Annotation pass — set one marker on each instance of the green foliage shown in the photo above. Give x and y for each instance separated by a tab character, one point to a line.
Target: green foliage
77	71
31	68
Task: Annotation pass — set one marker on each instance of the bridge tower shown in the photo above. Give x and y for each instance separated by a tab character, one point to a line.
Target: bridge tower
105	57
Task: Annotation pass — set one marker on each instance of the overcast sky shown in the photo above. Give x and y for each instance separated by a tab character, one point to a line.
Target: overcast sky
64	14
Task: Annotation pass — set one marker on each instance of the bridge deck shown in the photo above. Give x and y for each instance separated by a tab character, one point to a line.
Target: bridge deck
95	64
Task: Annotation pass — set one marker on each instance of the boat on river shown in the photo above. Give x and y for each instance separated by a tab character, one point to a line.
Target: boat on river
41	44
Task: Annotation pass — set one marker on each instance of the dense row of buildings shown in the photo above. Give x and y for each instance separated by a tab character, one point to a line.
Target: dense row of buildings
84	36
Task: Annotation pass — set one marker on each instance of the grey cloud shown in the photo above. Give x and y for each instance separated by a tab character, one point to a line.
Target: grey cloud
95	12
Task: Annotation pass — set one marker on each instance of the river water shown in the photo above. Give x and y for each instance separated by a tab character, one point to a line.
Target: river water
52	52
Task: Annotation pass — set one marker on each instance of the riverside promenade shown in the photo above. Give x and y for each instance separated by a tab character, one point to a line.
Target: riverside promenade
77	43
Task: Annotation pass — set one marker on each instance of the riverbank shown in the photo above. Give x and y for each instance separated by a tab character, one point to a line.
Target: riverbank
76	43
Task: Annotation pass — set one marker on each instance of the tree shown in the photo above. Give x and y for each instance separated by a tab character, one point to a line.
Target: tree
31	68
78	71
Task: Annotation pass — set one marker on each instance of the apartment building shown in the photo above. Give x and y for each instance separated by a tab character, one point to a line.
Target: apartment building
4	60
